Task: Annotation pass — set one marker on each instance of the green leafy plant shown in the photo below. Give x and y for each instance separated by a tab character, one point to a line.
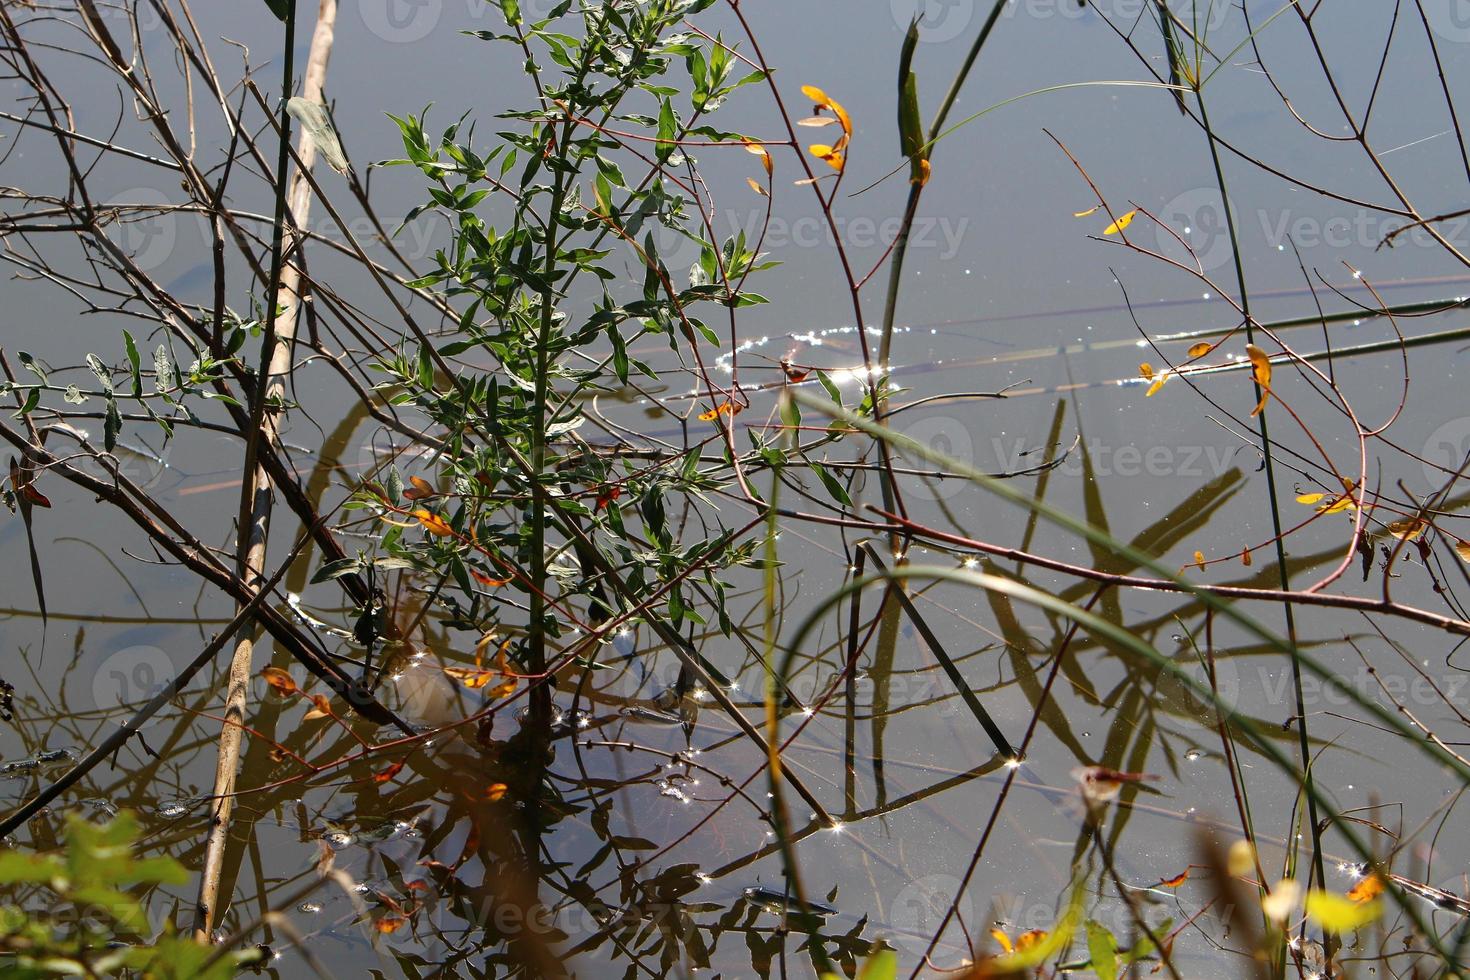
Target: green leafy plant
81	911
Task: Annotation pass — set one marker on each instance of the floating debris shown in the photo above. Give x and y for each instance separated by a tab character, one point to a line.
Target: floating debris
309	908
170	809
41	761
105	807
775	901
652	716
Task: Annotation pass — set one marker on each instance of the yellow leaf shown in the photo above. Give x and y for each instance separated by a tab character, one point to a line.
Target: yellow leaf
824	101
1310	498
1261	370
1338	913
1146	370
1083	214
1240	860
1406	530
1279	903
756	186
1199	559
1200	350
1462	548
433	523
761	152
925	171
1003	940
832	156
1159	382
816	122
1123	222
1338	506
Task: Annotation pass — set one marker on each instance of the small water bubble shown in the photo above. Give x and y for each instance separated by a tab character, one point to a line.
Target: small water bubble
309	908
338	839
1194	754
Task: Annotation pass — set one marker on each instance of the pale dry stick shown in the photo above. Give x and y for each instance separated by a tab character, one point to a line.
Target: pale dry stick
254	535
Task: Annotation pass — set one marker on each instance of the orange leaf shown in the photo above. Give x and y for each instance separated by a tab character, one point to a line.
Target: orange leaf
1245	557
1177	880
433	523
421	488
796	375
472	679
1159	382
1030	938
1199	559
1003	940
322	708
1146	371
486	580
607	496
1200	350
387	774
1366	890
1261	370
390	923
495	791
279	680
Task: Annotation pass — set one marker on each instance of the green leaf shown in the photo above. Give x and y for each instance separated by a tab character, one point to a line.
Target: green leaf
18	867
834	487
111	425
335	570
104	376
134	363
1103	949
668	130
882	965
281	8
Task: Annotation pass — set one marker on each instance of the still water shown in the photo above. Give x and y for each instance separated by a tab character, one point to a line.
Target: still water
650	861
